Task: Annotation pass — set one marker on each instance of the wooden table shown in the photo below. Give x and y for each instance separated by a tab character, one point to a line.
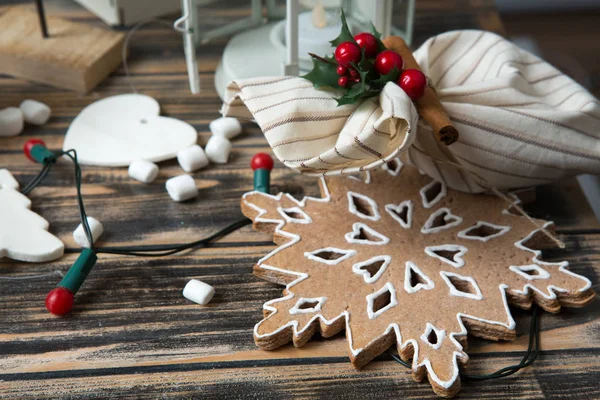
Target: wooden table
132	334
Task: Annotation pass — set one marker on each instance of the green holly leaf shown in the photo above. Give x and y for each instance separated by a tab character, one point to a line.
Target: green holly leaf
345	34
352	97
380	45
391	76
323	73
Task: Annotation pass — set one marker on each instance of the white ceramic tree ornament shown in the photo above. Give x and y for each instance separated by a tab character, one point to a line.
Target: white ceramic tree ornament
117	130
24	234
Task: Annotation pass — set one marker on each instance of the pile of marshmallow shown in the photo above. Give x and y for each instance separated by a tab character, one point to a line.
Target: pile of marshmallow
193	158
13	119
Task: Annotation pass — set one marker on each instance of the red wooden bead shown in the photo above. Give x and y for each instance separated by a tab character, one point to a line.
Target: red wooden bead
59	301
387	60
413	82
261	161
368	42
347	53
29	145
341	70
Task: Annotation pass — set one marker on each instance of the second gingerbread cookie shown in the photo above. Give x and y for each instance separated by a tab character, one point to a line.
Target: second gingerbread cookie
372	252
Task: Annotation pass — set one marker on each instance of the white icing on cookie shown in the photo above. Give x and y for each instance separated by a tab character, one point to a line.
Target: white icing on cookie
523	269
430	203
367	179
395	171
371	203
450	219
358	268
284	212
345	254
356	228
501	231
388	287
457	260
297	309
440	334
454	290
394	210
413	268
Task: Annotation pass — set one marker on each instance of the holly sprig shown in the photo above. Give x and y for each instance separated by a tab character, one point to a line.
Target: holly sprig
368	82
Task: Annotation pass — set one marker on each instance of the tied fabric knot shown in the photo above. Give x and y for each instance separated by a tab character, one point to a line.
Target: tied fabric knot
309	133
521	121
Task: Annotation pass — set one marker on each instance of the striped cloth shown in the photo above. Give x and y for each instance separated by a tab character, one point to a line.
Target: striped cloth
521	121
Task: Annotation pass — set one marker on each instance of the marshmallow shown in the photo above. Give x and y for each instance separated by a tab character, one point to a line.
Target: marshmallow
143	171
198	292
182	188
217	149
79	233
192	158
226	127
35	112
11	121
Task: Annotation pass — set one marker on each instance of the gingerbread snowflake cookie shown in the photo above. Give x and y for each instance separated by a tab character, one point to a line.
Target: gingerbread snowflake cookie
398	258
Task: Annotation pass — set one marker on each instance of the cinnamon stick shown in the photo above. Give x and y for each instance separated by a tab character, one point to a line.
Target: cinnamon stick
428	105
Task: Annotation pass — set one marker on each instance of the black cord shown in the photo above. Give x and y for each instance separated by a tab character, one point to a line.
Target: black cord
161	250
533	350
140	251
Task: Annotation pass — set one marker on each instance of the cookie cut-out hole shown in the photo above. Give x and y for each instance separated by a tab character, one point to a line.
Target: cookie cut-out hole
462	286
362	206
447	254
362	234
294	215
329	255
308	305
441	219
374	267
432	338
402	214
432	193
483	231
393	166
416	279
382	301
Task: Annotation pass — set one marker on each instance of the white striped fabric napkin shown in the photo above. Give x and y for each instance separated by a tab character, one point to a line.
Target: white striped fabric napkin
521	121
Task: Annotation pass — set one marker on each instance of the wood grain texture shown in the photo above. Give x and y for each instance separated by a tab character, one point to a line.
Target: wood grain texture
133	335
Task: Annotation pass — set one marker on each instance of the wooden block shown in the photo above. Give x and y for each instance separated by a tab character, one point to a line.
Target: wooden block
76	56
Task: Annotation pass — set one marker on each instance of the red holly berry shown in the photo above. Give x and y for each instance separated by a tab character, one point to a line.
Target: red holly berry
354	73
59	301
413	82
343	81
341	70
368	42
387	60
261	161
29	145
347	53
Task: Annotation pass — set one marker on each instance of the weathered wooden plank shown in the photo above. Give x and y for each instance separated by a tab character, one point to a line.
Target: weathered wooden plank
132	334
554	375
